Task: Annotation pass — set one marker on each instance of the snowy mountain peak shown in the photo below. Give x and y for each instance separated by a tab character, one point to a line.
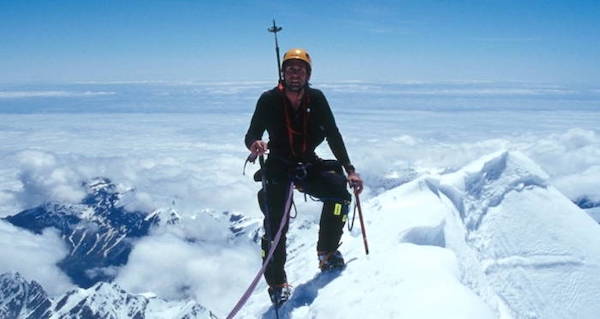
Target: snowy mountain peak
518	237
103	300
509	168
97	230
485	183
109	300
101	192
22	299
239	225
166	216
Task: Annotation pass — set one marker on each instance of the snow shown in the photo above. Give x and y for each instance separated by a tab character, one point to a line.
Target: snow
81	239
106	250
492	240
594	213
105	300
534	248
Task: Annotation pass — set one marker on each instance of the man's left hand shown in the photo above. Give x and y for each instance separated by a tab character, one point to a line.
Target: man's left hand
356	182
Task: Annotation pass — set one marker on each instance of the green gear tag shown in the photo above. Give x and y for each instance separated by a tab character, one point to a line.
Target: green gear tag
337	209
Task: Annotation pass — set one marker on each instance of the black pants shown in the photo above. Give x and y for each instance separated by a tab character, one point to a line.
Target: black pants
323	179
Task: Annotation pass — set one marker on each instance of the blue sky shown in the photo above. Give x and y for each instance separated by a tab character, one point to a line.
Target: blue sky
181	40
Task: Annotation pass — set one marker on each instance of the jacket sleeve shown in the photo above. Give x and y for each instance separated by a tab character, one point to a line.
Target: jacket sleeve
257	124
334	137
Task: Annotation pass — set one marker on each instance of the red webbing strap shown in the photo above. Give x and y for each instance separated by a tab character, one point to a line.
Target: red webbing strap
288	125
284	220
288	122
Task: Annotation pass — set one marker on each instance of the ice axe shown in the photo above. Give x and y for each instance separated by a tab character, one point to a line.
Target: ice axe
360	217
274	29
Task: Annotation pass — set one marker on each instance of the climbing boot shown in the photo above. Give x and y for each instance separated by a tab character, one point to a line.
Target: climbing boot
280	294
331	260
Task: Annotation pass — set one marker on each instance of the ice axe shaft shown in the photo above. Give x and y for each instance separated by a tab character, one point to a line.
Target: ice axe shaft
360	217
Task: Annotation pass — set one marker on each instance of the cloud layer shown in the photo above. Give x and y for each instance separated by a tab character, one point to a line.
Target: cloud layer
46	94
34	256
193	259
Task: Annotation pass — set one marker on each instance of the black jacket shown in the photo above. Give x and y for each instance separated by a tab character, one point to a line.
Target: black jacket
270	115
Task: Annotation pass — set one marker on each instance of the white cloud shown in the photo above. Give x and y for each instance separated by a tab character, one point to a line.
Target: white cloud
574	151
45	177
146	183
571	158
461	92
46	94
34	256
580	184
192	259
8	203
507	39
573	161
451	88
578	138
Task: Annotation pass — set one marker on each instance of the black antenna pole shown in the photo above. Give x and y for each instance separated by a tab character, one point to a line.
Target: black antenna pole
276	29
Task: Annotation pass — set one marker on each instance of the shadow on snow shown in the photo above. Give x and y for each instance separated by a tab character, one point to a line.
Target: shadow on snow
305	294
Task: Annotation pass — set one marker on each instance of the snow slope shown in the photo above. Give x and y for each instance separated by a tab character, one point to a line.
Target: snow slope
524	246
594	213
492	240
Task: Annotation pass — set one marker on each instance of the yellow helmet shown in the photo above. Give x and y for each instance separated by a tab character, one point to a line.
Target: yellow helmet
298	54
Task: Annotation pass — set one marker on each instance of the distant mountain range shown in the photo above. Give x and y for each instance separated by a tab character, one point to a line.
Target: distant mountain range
100	234
28	300
98	231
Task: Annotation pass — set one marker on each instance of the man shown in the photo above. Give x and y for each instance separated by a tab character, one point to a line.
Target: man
298	119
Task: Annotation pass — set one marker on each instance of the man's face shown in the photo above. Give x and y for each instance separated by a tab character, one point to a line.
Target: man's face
295	75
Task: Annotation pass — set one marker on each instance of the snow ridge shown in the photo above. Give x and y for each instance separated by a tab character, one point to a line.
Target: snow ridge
491	240
525	248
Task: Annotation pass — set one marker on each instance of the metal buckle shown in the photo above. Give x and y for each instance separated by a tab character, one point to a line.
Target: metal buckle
300	172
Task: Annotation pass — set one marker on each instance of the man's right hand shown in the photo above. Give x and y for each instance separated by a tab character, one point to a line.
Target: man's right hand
259	147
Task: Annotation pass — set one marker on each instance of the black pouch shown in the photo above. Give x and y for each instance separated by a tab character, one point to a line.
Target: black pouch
258	175
333	171
332	166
